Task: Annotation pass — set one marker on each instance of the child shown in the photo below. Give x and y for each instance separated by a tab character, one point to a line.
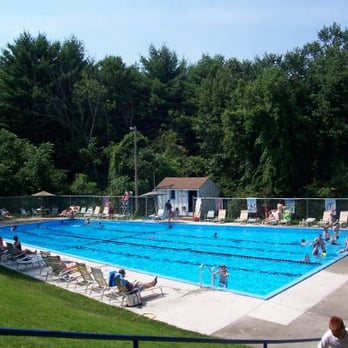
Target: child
223	274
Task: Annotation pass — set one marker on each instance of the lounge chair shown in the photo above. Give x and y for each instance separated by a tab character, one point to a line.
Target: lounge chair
102	284
44	264
343	219
221	216
24	212
105	212
86	278
12	255
272	218
34	212
210	215
89	212
243	217
96	212
307	222
326	219
21	259
82	211
159	215
29	260
59	269
132	298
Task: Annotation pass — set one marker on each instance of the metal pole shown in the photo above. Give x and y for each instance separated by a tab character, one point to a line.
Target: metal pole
134	129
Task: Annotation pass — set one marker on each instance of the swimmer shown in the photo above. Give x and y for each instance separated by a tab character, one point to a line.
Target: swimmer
215	235
318	243
223	275
306	259
345	246
326	235
304	243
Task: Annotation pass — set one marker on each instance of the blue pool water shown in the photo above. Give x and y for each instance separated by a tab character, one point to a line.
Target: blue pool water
262	261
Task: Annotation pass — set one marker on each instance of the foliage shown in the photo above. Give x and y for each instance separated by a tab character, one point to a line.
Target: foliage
275	126
26	168
81	185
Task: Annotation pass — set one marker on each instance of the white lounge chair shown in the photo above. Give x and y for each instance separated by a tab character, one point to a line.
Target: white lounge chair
307	222
221	216
89	212
34	212
343	219
210	215
105	212
326	219
102	285
243	217
82	211
24	212
96	212
159	215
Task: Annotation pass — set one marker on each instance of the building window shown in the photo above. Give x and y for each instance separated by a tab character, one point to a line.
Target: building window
172	194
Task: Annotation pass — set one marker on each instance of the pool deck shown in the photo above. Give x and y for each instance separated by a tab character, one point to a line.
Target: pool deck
299	312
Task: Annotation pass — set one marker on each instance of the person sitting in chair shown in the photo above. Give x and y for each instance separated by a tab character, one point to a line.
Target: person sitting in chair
133	286
18	247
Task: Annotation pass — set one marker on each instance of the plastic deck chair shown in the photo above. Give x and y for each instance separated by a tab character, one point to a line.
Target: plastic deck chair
102	285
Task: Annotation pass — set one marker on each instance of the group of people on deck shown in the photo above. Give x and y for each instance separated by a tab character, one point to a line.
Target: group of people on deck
274	215
16	245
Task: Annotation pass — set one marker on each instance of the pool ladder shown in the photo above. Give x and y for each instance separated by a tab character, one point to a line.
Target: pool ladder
211	270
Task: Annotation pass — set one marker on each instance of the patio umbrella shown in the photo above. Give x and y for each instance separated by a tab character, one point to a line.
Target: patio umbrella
43	201
43	194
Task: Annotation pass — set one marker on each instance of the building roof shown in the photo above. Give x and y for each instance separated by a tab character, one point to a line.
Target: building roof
173	183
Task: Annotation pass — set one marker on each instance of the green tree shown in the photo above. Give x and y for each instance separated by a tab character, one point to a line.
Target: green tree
164	77
26	168
82	186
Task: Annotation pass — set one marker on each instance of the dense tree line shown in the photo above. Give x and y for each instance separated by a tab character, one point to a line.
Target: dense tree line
274	126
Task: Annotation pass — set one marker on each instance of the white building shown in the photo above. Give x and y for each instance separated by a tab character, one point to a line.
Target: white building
182	192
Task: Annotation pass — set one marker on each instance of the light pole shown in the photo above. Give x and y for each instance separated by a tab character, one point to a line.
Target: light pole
134	129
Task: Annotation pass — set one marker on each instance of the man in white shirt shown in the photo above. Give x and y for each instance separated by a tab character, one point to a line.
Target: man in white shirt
336	336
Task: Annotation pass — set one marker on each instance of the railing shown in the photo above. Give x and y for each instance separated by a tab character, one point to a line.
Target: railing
211	271
135	339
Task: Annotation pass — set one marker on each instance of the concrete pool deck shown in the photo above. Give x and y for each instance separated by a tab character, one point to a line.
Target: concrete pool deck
299	312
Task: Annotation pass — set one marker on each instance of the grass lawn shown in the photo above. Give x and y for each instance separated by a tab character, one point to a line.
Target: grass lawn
32	304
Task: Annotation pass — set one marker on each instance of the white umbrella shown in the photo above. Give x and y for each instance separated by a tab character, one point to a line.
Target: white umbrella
43	194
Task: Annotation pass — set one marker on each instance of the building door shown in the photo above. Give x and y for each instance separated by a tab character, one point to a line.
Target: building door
191	195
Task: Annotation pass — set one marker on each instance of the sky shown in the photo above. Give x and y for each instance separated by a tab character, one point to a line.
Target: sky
242	29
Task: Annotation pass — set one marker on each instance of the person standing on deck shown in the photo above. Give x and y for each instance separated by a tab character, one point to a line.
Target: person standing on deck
168	210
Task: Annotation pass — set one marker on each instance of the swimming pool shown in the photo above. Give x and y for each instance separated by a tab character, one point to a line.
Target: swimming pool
262	261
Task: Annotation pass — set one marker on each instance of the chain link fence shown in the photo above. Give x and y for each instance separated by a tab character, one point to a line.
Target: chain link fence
301	208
